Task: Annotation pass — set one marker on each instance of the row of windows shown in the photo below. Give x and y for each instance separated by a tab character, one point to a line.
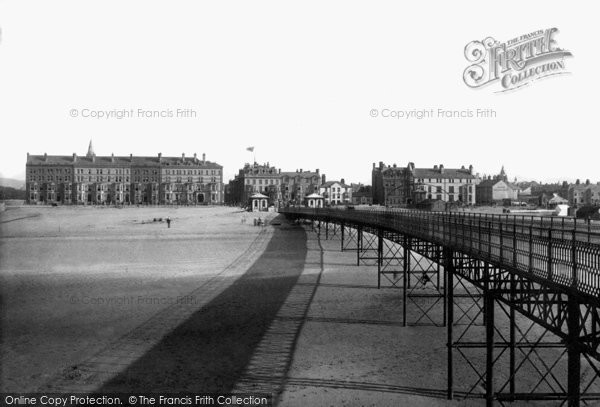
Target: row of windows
90	171
49	171
113	178
448	180
189	179
192	172
262	181
102	171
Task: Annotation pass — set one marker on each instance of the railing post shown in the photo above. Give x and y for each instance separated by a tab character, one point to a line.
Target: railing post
501	229
531	248
574	277
549	266
514	245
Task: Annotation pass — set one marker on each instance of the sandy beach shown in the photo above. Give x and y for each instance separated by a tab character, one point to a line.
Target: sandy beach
105	300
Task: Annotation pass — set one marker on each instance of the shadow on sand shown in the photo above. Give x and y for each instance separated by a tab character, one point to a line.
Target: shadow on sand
210	350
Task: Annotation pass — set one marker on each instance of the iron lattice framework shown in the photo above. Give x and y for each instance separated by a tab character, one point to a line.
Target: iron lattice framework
524	289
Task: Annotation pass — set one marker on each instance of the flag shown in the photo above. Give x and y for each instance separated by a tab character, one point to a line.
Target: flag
250	149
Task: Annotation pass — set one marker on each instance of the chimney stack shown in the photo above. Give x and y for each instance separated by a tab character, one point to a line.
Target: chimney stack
323	179
195	158
159	157
130	157
45	157
343	181
441	168
203	158
587	182
471	169
112	157
74	157
182	156
435	167
317	171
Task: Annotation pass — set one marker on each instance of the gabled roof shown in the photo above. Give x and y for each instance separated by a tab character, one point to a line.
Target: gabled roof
492	182
458	173
330	183
292	174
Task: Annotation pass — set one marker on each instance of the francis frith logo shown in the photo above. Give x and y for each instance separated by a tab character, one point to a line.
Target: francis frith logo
514	63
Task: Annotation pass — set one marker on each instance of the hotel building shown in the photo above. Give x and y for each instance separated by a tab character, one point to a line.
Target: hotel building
122	180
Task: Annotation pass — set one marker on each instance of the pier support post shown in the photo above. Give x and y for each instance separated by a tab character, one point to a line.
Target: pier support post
449	275
573	354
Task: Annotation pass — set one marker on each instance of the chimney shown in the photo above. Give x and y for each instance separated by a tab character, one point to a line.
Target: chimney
323	179
587	182
435	167
195	158
441	168
317	171
279	171
45	157
343	181
381	165
203	158
394	165
373	165
471	169
130	157
159	157
74	157
182	156
112	157
300	169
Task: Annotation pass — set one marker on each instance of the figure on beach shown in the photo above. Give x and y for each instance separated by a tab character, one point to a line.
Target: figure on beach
168	222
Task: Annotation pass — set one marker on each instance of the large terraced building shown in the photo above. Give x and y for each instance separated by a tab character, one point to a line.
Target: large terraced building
123	180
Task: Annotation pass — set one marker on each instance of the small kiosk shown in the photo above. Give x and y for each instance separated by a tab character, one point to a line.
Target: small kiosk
258	202
314	201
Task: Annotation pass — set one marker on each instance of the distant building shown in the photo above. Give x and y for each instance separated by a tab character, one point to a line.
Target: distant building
255	178
336	192
400	186
363	196
280	187
557	200
392	185
295	186
584	194
496	190
446	184
123	180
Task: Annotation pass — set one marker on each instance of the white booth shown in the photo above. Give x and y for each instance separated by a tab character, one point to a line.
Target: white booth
259	202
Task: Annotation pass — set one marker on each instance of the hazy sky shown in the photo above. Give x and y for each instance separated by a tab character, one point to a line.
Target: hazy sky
297	80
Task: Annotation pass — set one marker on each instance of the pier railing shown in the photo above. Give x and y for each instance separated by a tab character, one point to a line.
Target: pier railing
564	251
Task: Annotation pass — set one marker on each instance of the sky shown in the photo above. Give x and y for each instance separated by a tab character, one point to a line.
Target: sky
297	80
